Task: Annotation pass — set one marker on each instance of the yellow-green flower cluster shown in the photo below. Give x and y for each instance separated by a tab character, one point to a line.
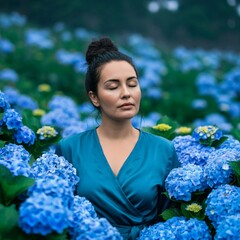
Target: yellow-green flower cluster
194	207
207	132
162	127
183	130
38	112
46	132
44	87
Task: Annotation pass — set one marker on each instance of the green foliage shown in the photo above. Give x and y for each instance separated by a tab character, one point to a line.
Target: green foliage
165	127
170	212
236	168
9	218
12	186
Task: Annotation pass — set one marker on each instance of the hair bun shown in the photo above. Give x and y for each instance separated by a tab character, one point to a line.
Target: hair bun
98	47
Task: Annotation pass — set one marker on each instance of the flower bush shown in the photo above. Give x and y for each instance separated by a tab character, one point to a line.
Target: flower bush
194	87
37	187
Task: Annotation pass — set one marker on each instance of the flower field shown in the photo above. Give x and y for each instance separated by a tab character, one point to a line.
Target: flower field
190	96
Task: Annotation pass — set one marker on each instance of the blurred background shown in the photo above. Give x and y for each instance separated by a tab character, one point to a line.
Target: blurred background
214	23
187	54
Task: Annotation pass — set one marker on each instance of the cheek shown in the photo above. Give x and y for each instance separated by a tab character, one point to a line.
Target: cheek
107	99
138	95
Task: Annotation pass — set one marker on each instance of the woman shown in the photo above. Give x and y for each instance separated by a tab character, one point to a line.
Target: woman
122	169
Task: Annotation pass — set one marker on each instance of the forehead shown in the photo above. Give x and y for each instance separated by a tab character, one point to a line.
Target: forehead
117	70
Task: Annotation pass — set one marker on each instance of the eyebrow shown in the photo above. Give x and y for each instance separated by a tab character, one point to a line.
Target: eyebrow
117	80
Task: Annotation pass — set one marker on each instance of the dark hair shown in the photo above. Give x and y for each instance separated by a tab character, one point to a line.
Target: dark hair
100	52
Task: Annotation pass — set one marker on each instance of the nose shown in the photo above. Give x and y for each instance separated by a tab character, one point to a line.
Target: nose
125	92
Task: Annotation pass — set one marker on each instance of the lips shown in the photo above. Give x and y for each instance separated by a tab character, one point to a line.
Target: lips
126	105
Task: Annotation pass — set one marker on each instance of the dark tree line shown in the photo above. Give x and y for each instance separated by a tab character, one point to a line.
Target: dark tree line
200	22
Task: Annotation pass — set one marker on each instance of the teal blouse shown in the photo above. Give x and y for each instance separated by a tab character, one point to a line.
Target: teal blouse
133	198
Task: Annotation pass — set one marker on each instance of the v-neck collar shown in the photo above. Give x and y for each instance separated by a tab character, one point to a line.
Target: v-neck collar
103	157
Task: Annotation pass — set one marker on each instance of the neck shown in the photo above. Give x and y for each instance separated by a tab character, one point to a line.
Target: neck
116	130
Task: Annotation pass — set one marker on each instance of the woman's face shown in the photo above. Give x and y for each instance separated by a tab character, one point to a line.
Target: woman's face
118	93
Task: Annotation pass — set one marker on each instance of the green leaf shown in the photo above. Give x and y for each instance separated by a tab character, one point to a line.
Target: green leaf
11	186
170	212
235	165
8	218
56	236
217	143
2	143
1	116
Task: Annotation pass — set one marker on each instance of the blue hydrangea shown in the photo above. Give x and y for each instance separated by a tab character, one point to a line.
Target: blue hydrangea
26	102
16	167
58	118
54	186
50	164
96	228
231	144
11	119
229	229
217	171
9	75
16	159
6	46
66	104
81	208
222	202
24	135
156	232
209	132
183	181
13	151
73	129
192	229
4	104
43	214
190	151
11	94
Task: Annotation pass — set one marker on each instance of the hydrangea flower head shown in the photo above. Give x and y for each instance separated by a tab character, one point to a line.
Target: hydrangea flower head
207	134
82	209
11	119
46	132
58	118
222	202
217	170
24	135
54	186
96	228
183	181
229	229
43	214
156	232
190	151
16	159
193	228
52	164
13	151
4	104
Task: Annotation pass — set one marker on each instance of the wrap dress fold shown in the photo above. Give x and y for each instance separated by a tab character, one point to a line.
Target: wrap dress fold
132	199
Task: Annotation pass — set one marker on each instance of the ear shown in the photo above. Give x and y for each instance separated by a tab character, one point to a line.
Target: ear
94	99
